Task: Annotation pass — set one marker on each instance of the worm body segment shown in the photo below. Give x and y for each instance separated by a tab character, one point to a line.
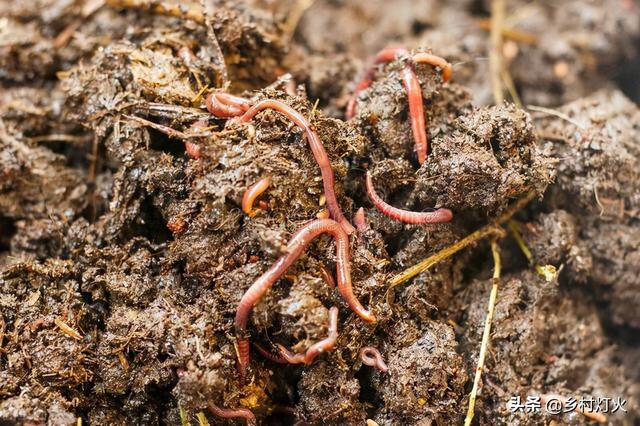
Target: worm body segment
416	111
411	86
371	356
359	219
233	413
436	61
253	192
406	216
224	105
295	247
318	150
317	348
385	55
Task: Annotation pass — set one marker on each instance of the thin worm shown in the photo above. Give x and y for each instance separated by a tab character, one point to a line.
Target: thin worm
277	358
224	105
371	356
412	88
294	249
385	55
317	348
327	276
193	149
436	61
416	111
406	216
318	150
253	192
233	413
360	221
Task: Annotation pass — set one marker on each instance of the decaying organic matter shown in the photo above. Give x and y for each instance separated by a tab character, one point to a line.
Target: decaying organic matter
168	174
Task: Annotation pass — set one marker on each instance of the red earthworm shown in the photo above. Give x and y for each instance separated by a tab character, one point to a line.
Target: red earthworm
371	356
327	277
385	55
416	111
436	61
295	247
318	152
406	216
277	358
233	413
317	348
360	221
252	193
224	105
413	89
187	56
193	149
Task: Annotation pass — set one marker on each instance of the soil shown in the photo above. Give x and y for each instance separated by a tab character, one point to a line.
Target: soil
123	256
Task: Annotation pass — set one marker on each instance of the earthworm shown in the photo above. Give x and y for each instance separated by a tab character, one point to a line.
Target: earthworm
360	221
193	150
295	247
327	277
233	413
318	150
252	193
416	111
277	358
412	88
371	356
317	348
224	105
436	61
406	216
385	55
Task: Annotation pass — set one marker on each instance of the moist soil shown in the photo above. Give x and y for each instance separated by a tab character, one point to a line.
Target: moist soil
123	257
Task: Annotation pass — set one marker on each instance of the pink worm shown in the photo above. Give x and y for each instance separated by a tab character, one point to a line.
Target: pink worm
252	193
385	55
317	348
406	216
413	89
224	105
436	61
360	221
233	413
295	247
371	356
318	150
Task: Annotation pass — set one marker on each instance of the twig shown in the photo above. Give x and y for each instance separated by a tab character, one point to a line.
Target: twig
511	33
224	74
66	329
60	137
495	49
487	331
159	127
492	228
295	15
65	35
511	87
555	113
160	7
548	272
202	419
184	417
